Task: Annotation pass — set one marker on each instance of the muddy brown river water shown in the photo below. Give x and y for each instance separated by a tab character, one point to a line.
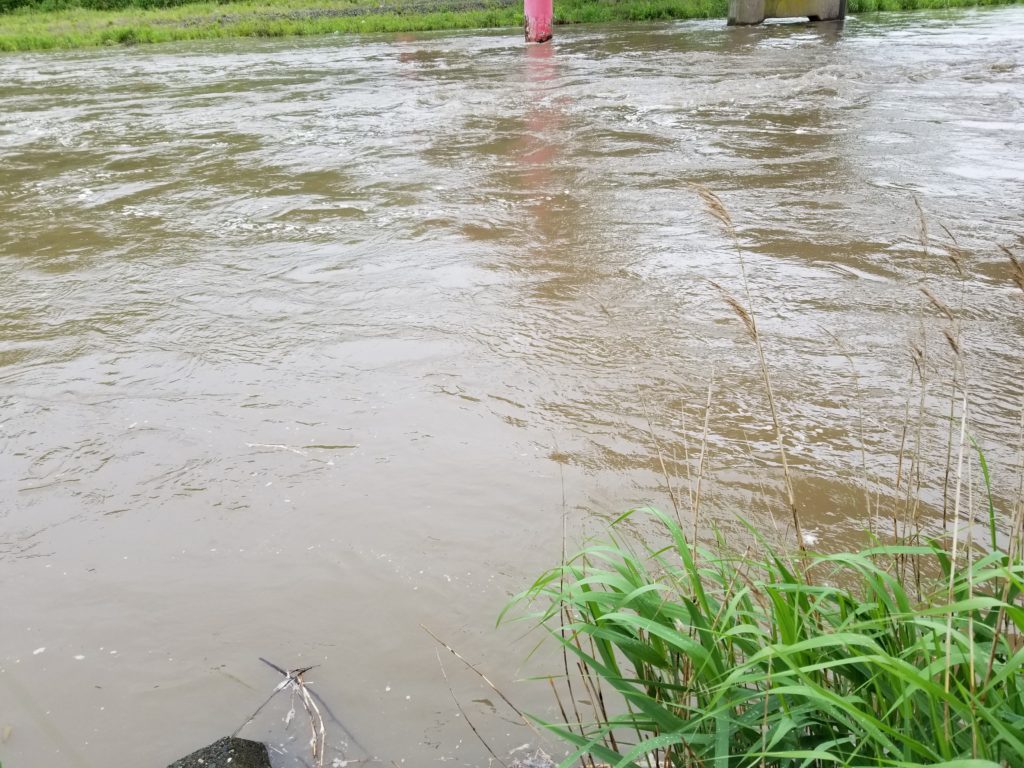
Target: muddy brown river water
302	343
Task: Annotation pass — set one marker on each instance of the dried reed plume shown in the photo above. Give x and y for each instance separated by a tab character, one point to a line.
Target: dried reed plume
938	303
953	342
1017	269
714	206
738	308
956	255
917	355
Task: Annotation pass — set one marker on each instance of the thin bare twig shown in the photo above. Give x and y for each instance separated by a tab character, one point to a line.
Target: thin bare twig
288	680
293	681
482	676
461	710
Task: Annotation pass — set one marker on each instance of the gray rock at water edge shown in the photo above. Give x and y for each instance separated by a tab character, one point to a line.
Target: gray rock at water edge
229	752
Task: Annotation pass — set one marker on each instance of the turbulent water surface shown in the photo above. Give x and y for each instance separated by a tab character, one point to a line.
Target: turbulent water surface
303	343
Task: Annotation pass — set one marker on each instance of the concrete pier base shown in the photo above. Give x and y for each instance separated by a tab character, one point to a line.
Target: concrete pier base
745	12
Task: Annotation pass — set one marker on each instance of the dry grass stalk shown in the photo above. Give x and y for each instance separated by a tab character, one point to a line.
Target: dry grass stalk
971	655
683	423
1017	531
917	356
672	495
952	337
922	225
482	676
567	620
717	209
1002	625
318	739
1017	269
294	682
703	454
462	711
955	542
865	479
565	717
938	303
957	256
912	498
954	343
739	310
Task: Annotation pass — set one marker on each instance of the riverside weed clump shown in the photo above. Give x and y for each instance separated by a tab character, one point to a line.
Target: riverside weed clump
908	652
701	657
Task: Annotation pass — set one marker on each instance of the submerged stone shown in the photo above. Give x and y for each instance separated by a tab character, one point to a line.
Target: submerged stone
229	752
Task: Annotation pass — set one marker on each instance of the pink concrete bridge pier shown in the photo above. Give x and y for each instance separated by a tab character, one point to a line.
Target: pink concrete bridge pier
539	14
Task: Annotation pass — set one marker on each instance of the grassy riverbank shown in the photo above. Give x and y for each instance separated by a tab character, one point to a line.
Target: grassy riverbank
904	655
685	648
89	23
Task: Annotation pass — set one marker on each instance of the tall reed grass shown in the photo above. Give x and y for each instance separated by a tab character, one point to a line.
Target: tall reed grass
907	652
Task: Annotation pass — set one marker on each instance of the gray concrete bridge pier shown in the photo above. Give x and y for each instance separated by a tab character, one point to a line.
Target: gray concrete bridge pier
745	12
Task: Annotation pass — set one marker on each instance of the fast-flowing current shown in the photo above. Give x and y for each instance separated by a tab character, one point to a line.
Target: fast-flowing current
306	343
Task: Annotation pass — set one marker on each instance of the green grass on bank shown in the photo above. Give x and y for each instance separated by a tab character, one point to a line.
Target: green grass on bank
27	29
899	655
48	24
684	648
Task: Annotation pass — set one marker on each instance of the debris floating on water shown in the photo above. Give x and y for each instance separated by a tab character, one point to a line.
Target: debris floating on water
538	759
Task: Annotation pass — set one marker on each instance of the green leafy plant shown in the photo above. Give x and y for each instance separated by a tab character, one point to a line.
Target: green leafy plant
726	660
906	653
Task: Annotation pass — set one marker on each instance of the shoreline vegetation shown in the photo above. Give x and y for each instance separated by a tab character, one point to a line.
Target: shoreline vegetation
27	25
687	646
